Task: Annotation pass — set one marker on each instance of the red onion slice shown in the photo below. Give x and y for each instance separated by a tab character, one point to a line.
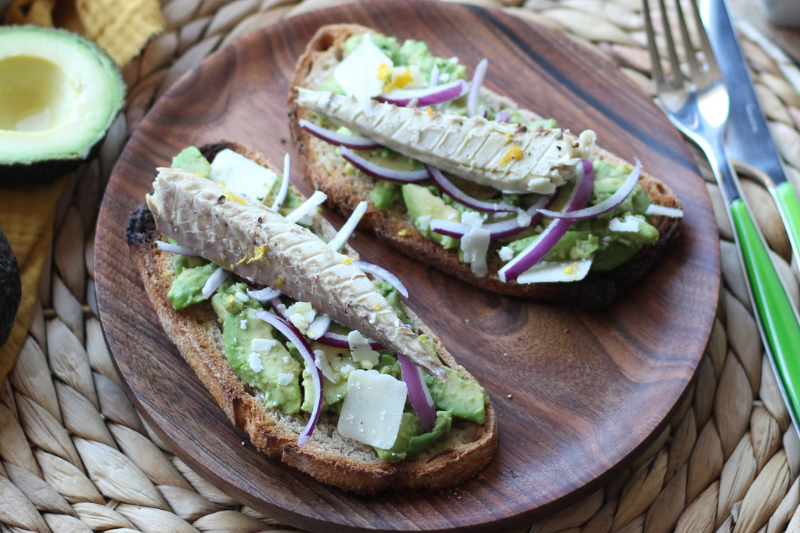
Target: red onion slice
461	197
328	338
214	281
427	96
308	356
287	167
307	207
384	274
553	233
418	393
318	327
338	139
609	204
497	230
340	341
175	249
264	295
475	87
504	116
341	237
376	171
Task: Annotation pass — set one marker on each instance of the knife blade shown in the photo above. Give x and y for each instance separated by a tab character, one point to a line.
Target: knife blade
748	139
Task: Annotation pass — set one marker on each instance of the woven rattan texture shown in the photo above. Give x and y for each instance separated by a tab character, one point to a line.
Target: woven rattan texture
77	457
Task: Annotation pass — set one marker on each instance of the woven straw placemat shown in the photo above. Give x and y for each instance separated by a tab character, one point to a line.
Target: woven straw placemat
77	457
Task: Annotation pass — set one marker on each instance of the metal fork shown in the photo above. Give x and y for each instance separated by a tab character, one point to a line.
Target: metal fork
699	108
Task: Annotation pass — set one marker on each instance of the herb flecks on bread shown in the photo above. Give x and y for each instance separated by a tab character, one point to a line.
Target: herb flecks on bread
472	227
264	383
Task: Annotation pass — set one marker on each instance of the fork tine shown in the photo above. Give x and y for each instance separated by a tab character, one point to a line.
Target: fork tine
675	64
711	60
655	59
694	66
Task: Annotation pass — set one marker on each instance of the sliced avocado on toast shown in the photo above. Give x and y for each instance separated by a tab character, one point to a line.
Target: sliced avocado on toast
60	94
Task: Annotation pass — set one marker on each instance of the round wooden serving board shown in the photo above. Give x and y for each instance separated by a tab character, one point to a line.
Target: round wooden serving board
590	389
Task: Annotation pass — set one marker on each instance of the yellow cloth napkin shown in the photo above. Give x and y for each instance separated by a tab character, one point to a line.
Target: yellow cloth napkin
26	217
120	27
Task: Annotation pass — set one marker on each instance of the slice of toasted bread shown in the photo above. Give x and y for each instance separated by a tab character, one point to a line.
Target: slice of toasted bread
328	456
326	169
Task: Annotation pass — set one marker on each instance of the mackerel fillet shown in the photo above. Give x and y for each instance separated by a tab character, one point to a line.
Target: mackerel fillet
243	236
508	157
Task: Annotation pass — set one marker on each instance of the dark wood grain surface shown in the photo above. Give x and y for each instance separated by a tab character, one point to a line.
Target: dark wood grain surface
590	389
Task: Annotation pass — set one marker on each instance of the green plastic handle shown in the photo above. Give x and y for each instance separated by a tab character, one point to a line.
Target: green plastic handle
789	208
778	318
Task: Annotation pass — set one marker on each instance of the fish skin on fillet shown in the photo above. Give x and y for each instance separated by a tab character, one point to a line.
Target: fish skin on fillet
247	238
508	157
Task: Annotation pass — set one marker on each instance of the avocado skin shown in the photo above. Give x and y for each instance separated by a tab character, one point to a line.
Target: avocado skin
10	288
41	172
44	171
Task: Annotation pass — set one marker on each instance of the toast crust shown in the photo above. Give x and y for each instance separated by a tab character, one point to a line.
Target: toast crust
327	172
328	457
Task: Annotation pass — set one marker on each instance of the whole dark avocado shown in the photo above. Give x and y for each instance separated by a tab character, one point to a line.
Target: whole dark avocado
10	288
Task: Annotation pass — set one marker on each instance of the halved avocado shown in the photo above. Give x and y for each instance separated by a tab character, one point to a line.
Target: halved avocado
59	94
10	288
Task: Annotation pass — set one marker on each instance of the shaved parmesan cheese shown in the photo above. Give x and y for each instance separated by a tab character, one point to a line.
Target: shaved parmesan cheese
242	176
472	218
321	362
373	408
262	345
301	315
506	253
629	224
660	210
362	351
363	73
523	218
475	244
556	271
254	361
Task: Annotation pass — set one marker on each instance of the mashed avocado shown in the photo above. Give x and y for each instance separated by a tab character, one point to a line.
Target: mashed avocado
466	399
191	160
412	438
262	362
188	286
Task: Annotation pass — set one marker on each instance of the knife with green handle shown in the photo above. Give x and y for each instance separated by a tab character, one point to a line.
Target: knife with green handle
748	139
778	318
789	208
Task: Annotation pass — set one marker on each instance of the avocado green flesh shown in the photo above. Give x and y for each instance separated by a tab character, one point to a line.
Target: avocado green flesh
60	93
466	399
420	201
412	437
187	289
276	364
191	160
285	383
587	239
